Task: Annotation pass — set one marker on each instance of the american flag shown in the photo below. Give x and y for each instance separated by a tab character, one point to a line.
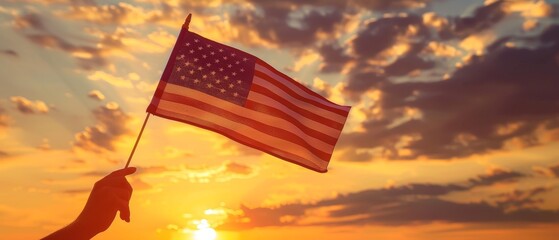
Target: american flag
231	92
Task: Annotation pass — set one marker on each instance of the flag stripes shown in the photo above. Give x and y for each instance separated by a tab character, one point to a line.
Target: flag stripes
205	84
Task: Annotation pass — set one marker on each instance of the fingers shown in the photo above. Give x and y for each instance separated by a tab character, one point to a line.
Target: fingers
122	172
120	199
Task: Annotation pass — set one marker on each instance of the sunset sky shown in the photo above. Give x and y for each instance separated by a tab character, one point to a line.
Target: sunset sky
453	132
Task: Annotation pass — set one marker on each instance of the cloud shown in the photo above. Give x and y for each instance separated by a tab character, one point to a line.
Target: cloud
552	171
483	18
519	199
494	176
27	106
125	14
96	94
399	205
93	50
3	118
112	124
287	27
9	52
501	99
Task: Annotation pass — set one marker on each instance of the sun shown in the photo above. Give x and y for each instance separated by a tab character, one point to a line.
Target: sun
204	231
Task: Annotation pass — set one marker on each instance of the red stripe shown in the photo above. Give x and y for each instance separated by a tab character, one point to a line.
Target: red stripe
264	128
297	96
304	112
297	84
239	138
256	106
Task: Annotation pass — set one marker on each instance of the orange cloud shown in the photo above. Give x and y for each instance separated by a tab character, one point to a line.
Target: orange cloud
96	94
112	124
27	106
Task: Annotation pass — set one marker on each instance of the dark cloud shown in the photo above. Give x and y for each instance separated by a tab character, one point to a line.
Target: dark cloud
484	17
373	42
402	205
503	95
496	175
334	58
112	123
274	24
519	199
9	52
374	5
552	171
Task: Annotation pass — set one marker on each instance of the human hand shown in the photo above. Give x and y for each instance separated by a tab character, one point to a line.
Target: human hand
109	195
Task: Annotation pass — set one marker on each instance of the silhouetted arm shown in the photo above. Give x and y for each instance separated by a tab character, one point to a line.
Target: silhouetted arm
109	195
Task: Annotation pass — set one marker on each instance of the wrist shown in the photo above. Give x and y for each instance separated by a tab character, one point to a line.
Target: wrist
82	230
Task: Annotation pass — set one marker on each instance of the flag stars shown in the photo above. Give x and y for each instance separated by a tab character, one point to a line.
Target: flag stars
200	48
183	77
239	81
204	56
191	51
221	69
217	61
235	94
212	53
234	74
224	58
179	69
187	63
222	90
213	72
191	72
196	80
226	77
242	70
237	62
200	68
245	59
187	44
196	40
218	81
233	54
208	46
209	85
231	85
205	76
221	50
196	60
208	65
229	66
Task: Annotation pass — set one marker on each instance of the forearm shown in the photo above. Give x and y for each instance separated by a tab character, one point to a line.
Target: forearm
74	230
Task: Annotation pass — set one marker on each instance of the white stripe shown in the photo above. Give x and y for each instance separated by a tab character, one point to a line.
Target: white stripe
309	158
259	116
302	104
310	123
296	89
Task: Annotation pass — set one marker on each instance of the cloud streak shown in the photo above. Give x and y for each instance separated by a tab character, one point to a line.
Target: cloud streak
415	203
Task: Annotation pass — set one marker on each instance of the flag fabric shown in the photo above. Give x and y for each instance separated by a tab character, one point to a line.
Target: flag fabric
231	92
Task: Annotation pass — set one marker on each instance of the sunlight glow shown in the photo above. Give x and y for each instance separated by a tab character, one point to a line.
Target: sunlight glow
204	231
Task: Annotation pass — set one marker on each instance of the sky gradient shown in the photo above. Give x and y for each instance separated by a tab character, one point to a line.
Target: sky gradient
453	133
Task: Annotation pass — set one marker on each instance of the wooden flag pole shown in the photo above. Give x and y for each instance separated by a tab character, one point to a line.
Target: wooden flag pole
137	140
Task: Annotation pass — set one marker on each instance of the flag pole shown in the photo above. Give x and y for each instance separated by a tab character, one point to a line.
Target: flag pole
137	140
185	26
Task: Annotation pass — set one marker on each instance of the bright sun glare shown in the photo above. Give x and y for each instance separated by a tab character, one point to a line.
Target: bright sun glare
204	231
